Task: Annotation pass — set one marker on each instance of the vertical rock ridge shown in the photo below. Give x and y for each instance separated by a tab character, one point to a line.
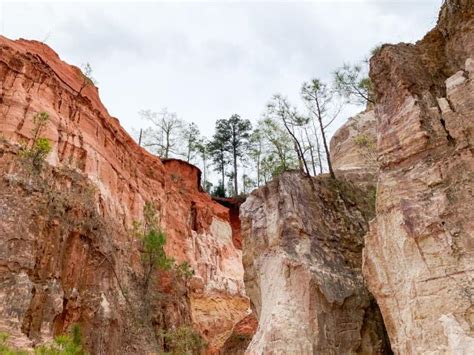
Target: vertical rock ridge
418	256
302	255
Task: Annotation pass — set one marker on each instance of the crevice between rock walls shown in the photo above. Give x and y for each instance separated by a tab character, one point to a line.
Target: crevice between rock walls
233	205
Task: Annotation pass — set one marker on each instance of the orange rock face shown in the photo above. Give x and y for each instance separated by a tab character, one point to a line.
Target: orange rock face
90	143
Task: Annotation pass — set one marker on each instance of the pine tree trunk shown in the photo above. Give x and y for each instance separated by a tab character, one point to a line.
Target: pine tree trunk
311	152
236	192
204	173
331	172
299	151
223	173
167	149
318	147
258	170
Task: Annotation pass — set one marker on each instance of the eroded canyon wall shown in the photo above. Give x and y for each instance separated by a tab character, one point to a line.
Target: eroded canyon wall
348	143
418	258
353	150
79	262
302	254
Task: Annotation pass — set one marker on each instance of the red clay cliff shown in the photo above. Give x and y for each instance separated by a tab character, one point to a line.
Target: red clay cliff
92	146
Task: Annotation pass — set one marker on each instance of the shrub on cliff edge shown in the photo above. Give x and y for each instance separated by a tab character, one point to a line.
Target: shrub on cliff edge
182	340
40	146
66	344
5	349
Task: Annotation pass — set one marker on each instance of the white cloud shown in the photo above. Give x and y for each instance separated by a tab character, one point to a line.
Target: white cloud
208	60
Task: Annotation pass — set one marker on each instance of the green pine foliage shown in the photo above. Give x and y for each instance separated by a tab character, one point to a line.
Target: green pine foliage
153	250
352	82
65	344
36	153
5	349
154	257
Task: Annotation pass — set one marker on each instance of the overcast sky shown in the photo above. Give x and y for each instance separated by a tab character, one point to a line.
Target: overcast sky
208	60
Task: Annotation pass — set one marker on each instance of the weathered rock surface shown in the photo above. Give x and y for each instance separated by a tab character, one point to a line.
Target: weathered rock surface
353	150
302	255
53	274
241	337
418	258
346	154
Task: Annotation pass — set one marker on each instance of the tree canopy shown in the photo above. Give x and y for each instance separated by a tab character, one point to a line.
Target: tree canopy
287	136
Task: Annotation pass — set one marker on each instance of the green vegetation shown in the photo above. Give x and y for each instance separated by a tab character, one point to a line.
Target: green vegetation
352	82
5	349
229	145
286	137
279	109
182	340
66	344
86	77
154	257
184	270
36	153
277	152
319	99
375	49
153	253
154	240
40	120
372	196
367	148
191	137
363	140
171	340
